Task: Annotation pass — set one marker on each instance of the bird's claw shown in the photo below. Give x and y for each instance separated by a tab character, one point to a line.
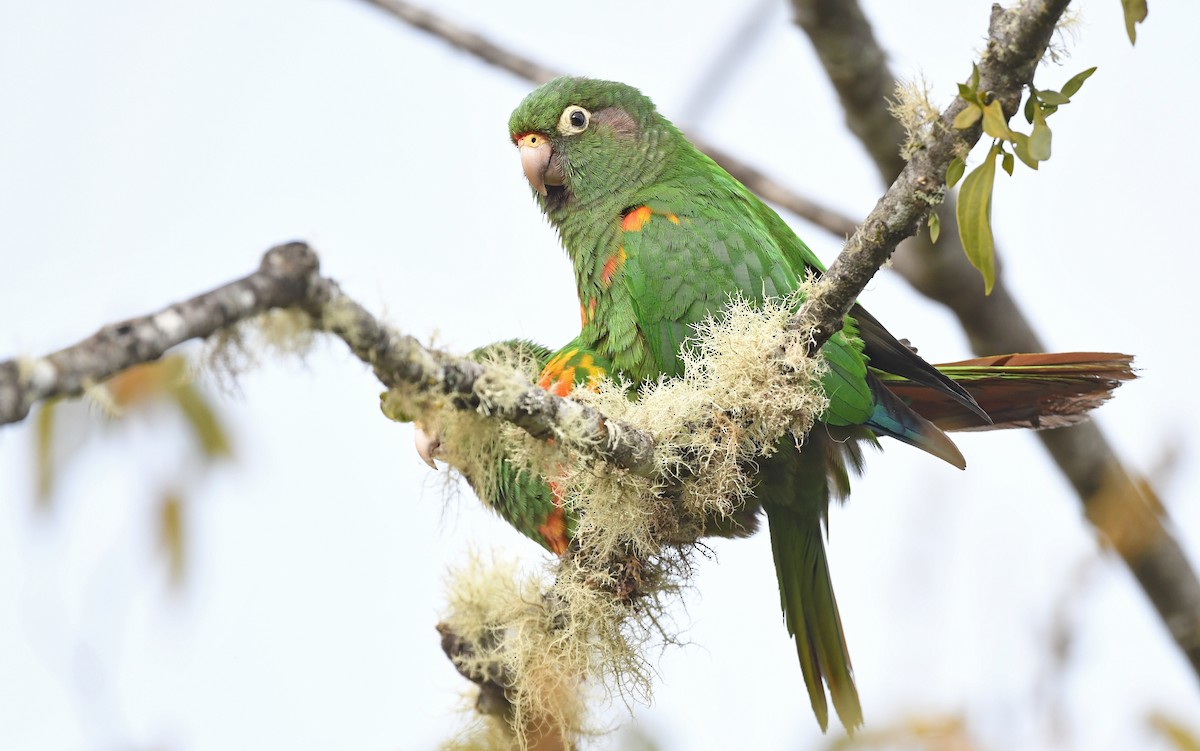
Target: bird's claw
427	445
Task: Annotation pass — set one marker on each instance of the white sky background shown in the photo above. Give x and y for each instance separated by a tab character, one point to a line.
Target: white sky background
150	150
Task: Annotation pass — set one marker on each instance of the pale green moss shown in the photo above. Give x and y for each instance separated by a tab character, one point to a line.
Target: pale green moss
915	112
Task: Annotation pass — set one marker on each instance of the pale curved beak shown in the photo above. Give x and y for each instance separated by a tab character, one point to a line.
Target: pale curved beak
427	445
537	160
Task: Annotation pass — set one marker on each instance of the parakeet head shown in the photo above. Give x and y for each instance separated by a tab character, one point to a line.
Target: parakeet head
582	139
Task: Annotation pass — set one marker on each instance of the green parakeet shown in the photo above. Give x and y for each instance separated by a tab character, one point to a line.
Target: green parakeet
660	237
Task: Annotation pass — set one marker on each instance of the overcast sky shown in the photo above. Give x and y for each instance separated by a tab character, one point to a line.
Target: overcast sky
151	150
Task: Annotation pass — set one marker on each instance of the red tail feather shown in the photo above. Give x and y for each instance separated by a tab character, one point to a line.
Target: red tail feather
1020	390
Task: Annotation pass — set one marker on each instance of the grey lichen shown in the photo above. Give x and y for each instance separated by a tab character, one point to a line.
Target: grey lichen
747	382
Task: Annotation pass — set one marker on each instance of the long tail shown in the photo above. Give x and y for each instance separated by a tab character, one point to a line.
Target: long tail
796	489
1019	391
1006	391
811	613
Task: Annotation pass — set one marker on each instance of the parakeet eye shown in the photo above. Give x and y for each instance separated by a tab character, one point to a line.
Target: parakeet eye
574	120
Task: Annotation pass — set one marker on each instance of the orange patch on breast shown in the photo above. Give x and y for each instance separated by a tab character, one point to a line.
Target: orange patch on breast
636	219
611	266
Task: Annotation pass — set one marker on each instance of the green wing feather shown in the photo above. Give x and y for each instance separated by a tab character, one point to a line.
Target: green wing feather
678	274
679	271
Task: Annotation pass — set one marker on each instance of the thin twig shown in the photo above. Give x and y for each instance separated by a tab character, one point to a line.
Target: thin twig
483	48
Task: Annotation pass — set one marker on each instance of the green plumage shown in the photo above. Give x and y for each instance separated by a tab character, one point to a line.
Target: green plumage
660	238
707	239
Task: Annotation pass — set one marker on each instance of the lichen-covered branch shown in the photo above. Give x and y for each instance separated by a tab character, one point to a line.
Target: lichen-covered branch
399	360
289	277
282	280
857	67
1114	501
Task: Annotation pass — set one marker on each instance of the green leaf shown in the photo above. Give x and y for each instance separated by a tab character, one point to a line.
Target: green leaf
1039	139
975	218
974	84
968	117
1135	13
968	94
171	536
1180	736
1020	144
954	171
994	122
44	452
210	434
935	226
1030	104
1053	97
1070	87
1006	162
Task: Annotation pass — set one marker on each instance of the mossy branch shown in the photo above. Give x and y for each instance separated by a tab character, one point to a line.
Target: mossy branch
289	278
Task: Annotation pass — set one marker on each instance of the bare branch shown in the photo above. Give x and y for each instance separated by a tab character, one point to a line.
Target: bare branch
857	67
1120	507
469	41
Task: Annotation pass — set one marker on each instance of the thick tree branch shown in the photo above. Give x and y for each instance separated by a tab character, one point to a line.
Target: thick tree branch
857	67
1125	511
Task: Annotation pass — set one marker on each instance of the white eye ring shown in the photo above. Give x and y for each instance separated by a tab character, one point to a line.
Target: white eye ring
574	119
